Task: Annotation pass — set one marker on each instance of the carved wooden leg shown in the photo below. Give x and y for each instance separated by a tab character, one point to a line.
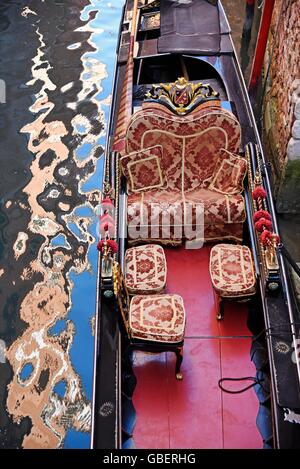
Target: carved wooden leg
179	358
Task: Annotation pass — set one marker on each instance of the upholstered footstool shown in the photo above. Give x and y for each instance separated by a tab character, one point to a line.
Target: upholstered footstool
158	320
232	274
145	269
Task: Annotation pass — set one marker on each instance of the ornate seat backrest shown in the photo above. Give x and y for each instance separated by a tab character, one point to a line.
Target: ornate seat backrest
191	143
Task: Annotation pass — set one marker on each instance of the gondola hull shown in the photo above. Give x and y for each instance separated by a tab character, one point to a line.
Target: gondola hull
123	402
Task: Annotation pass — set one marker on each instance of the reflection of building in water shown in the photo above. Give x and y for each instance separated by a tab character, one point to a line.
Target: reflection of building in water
243	17
51	141
246	35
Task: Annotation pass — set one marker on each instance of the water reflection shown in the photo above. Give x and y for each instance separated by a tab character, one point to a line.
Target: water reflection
244	17
53	134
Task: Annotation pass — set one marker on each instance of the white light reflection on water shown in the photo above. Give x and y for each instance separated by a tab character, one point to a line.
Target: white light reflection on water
65	134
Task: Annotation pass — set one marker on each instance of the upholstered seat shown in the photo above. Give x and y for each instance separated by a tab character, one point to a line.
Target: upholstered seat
223	214
159	318
232	273
183	155
153	323
145	269
218	208
231	270
148	212
191	144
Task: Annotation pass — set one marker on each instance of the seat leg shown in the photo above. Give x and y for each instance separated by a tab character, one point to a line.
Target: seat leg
219	302
179	358
128	353
220	312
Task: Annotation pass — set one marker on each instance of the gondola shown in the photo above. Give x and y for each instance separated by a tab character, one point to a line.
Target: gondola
194	301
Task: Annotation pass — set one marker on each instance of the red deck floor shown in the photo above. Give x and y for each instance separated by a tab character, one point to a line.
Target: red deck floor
195	413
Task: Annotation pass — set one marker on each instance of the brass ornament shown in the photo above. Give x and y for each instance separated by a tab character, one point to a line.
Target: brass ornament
108	191
182	96
271	255
268	253
122	295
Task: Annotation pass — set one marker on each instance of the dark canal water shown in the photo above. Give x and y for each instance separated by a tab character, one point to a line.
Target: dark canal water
57	60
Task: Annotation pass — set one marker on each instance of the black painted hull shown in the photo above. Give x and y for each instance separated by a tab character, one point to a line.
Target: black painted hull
113	413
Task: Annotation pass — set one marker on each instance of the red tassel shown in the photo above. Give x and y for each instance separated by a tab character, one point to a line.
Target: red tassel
263	224
106	218
106	224
261	214
267	238
110	243
100	245
107	200
107	204
113	245
259	193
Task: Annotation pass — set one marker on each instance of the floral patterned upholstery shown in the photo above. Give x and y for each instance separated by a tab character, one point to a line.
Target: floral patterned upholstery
145	269
228	231
219	210
192	147
159	318
229	174
142	169
232	271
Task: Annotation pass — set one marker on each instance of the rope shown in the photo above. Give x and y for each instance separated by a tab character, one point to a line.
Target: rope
281	248
254	380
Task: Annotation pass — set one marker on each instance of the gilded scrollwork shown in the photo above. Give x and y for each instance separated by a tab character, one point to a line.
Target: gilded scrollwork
182	96
121	293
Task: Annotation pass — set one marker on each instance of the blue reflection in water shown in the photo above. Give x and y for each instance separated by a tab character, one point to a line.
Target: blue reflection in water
58	327
93	182
60	388
76	439
60	240
104	38
83	308
84	151
108	22
26	371
75	230
83	211
81	353
80	128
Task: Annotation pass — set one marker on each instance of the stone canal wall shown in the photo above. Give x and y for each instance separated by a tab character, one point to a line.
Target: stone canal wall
282	104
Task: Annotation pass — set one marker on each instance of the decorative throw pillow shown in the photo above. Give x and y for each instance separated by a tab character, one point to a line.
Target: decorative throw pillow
229	173
142	169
